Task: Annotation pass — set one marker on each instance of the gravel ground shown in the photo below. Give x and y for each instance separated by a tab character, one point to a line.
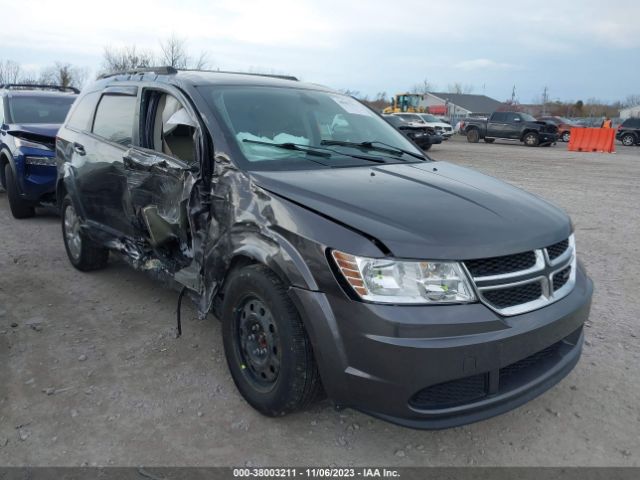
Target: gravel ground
90	373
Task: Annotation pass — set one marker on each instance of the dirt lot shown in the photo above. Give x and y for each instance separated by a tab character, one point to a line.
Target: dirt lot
91	374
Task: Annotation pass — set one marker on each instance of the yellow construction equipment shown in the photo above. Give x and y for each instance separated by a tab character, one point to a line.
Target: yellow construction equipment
406	102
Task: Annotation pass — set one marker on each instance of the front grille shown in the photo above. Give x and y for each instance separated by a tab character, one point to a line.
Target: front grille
450	394
508	297
557	249
485	267
561	278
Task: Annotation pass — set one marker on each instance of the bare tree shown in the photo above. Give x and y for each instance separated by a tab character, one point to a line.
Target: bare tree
126	58
423	88
64	74
631	100
10	71
174	53
458	87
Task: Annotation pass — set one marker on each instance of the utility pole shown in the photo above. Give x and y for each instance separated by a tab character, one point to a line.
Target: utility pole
545	100
513	95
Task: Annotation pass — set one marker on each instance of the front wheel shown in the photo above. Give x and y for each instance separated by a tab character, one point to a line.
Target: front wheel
266	346
489	140
566	136
531	139
473	136
18	206
628	140
427	147
84	254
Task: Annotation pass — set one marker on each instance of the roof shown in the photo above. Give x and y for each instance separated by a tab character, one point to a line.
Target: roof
207	77
472	103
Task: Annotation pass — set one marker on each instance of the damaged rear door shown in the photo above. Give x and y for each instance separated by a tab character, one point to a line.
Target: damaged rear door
161	174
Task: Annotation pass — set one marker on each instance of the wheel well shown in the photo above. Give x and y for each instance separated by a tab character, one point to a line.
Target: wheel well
61	192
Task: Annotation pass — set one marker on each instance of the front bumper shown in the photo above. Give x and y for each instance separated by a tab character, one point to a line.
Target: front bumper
441	366
548	137
36	177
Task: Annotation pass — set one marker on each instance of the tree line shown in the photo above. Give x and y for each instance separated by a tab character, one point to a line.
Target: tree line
172	51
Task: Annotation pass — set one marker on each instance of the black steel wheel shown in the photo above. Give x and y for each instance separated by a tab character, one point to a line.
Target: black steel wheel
258	342
266	345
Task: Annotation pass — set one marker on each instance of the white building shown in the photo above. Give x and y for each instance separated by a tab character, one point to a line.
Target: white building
630	112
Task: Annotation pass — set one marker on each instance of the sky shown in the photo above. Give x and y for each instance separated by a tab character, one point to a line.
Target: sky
577	49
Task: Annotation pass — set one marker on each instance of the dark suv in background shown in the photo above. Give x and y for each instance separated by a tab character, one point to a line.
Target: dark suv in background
629	132
337	255
30	116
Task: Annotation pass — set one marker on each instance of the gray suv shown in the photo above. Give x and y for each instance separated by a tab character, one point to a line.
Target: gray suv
338	256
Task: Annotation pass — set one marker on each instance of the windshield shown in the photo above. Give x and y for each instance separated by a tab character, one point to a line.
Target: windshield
312	121
430	118
39	108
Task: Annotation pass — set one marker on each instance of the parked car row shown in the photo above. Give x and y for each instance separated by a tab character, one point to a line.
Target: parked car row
339	258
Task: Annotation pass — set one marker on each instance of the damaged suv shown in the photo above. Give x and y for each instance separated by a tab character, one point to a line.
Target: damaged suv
338	257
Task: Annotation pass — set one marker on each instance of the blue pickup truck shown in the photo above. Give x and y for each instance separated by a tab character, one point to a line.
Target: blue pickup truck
30	116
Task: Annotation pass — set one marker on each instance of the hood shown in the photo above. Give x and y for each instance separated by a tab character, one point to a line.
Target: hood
429	210
38	129
44	133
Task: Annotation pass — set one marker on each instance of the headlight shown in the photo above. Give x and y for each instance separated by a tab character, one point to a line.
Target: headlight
21	142
40	160
386	280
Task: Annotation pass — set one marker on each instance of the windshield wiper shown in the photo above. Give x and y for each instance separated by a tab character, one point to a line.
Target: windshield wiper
372	145
292	146
310	150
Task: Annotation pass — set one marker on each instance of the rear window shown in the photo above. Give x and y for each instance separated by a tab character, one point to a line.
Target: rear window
82	114
114	118
39	108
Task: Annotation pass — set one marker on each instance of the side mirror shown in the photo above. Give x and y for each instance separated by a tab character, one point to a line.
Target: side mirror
4	127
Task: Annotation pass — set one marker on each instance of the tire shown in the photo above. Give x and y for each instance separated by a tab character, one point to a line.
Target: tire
19	207
267	348
628	140
489	140
84	254
566	136
473	135
427	147
531	139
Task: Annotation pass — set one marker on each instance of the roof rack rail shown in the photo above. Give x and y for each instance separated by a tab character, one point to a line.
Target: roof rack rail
163	70
38	86
272	75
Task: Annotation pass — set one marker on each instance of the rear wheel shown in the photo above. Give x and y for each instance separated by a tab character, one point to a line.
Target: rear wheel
83	253
19	207
566	136
627	140
426	147
489	140
473	136
267	348
531	139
